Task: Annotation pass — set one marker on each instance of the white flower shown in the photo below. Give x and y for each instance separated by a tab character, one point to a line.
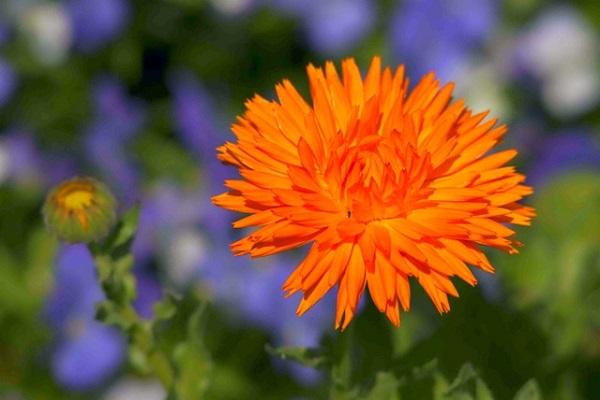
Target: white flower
48	30
576	90
186	250
232	7
135	389
561	49
4	162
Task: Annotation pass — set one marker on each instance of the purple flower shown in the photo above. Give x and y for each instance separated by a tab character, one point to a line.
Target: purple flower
333	27
193	114
440	35
108	155
91	355
117	119
97	22
125	115
149	292
567	151
87	352
195	124
4	31
23	164
166	209
262	302
8	82
23	161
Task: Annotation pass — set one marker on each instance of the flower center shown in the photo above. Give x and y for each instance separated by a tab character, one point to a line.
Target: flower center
78	200
379	184
76	196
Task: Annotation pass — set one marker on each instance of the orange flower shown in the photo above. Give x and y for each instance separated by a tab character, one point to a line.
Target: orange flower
385	183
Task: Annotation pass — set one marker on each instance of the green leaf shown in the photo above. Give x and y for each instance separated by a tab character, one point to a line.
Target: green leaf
119	240
385	387
427	370
341	368
440	386
25	283
193	365
529	391
166	308
578	195
309	357
114	262
465	376
466	386
41	248
554	274
110	313
482	391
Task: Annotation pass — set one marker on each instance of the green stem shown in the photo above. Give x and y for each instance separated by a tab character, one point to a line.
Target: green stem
118	284
341	370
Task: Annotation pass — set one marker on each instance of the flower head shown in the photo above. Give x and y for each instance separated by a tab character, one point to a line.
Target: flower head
80	210
383	183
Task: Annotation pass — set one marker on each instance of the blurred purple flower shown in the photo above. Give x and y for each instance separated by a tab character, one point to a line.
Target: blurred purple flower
335	26
4	31
87	352
567	151
23	164
57	167
171	222
332	27
173	230
288	7
108	155
88	357
196	126
23	160
166	209
8	82
125	115
97	22
117	119
440	35
262	302
149	292
194	113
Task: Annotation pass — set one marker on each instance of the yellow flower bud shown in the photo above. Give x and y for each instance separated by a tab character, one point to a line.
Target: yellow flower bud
80	209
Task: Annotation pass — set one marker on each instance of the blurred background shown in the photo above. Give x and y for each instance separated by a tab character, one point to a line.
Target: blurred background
139	93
